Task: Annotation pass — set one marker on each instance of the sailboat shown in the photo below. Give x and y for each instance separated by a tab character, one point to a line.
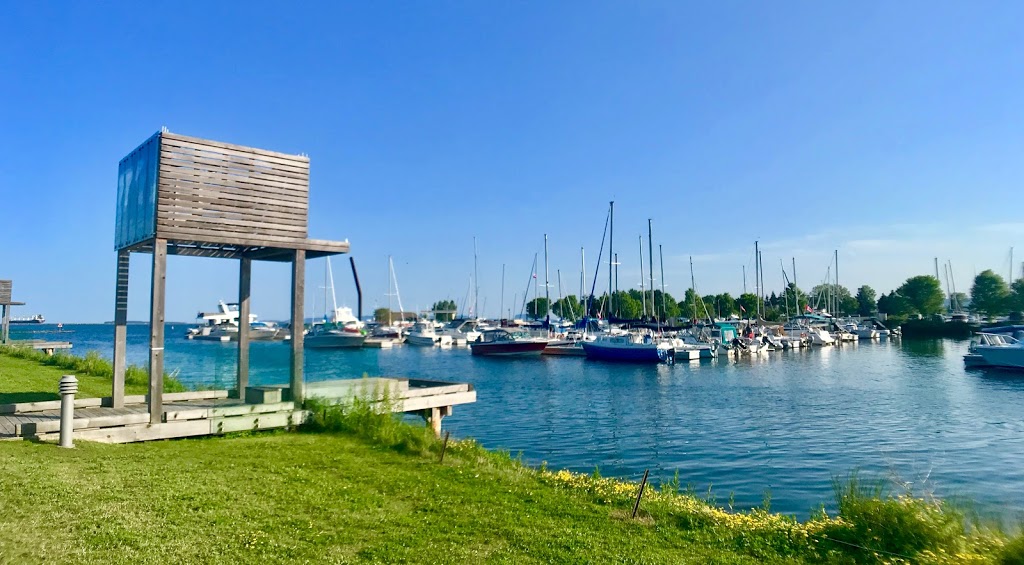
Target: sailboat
341	329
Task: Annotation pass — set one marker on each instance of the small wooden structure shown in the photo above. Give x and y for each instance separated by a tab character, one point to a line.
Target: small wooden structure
6	303
6	287
180	195
212	412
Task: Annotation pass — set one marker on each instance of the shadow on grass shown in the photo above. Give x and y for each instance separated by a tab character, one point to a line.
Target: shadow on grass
18	397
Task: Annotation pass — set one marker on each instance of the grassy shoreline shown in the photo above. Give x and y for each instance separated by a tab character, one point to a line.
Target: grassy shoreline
355	485
27	375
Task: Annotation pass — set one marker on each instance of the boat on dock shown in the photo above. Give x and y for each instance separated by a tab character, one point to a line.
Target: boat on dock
502	343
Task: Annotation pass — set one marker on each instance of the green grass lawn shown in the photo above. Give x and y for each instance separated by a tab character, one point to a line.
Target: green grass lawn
309	497
23	380
358	485
335	498
32	376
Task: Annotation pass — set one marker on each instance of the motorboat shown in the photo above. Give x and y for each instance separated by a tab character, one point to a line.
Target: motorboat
222	325
630	347
330	335
502	343
995	350
462	330
423	333
861	331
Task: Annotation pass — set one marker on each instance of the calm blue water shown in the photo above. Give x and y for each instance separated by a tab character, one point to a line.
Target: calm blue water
787	422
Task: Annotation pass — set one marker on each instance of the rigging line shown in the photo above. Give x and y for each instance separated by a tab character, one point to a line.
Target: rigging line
597	269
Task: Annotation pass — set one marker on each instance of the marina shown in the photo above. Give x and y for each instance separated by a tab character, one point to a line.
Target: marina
787	421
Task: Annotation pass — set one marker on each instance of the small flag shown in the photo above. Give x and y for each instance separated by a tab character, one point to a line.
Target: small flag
742	309
807	308
535	275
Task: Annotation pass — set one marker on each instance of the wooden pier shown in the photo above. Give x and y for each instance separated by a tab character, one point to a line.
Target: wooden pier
205	413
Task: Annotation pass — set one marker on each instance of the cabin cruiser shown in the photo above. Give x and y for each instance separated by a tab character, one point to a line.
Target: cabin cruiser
862	331
223	326
462	330
995	350
423	333
333	335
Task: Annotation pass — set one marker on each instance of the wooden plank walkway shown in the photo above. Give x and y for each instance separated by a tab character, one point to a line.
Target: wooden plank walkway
201	413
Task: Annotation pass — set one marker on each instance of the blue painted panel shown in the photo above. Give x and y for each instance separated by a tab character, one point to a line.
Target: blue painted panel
136	194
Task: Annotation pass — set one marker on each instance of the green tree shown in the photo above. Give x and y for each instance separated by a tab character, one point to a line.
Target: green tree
537	308
845	302
381	315
922	294
866	301
629	307
801	298
568	308
725	304
747	305
689	306
989	294
444	310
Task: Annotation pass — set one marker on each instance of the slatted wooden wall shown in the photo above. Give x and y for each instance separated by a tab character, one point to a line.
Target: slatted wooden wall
217	192
5	292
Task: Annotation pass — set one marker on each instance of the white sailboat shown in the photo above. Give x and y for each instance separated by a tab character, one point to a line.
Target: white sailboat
341	329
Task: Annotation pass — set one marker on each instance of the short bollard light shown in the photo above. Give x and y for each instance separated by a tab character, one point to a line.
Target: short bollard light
68	389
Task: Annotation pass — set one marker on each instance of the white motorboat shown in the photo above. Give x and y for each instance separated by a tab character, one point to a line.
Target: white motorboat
424	334
995	350
861	331
332	336
463	331
222	325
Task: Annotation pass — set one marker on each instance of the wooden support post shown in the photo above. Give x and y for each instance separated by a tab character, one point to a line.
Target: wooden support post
120	327
5	331
298	323
244	279
156	331
433	416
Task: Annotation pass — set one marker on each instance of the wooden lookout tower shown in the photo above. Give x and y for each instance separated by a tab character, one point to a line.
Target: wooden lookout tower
183	195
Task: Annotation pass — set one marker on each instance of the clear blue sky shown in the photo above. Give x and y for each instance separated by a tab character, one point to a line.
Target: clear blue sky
889	130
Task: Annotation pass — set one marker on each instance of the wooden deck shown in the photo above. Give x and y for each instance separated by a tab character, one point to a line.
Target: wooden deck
204	413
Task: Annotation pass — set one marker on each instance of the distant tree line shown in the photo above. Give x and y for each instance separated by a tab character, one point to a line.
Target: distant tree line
919	295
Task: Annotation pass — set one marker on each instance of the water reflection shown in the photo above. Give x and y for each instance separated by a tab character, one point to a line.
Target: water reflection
923	347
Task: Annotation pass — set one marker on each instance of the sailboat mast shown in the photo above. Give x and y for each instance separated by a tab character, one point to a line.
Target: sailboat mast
547	295
693	289
584	299
837	282
398	293
945	269
611	234
643	293
664	303
501	308
389	290
757	280
334	298
476	283
617	272
744	279
650	256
